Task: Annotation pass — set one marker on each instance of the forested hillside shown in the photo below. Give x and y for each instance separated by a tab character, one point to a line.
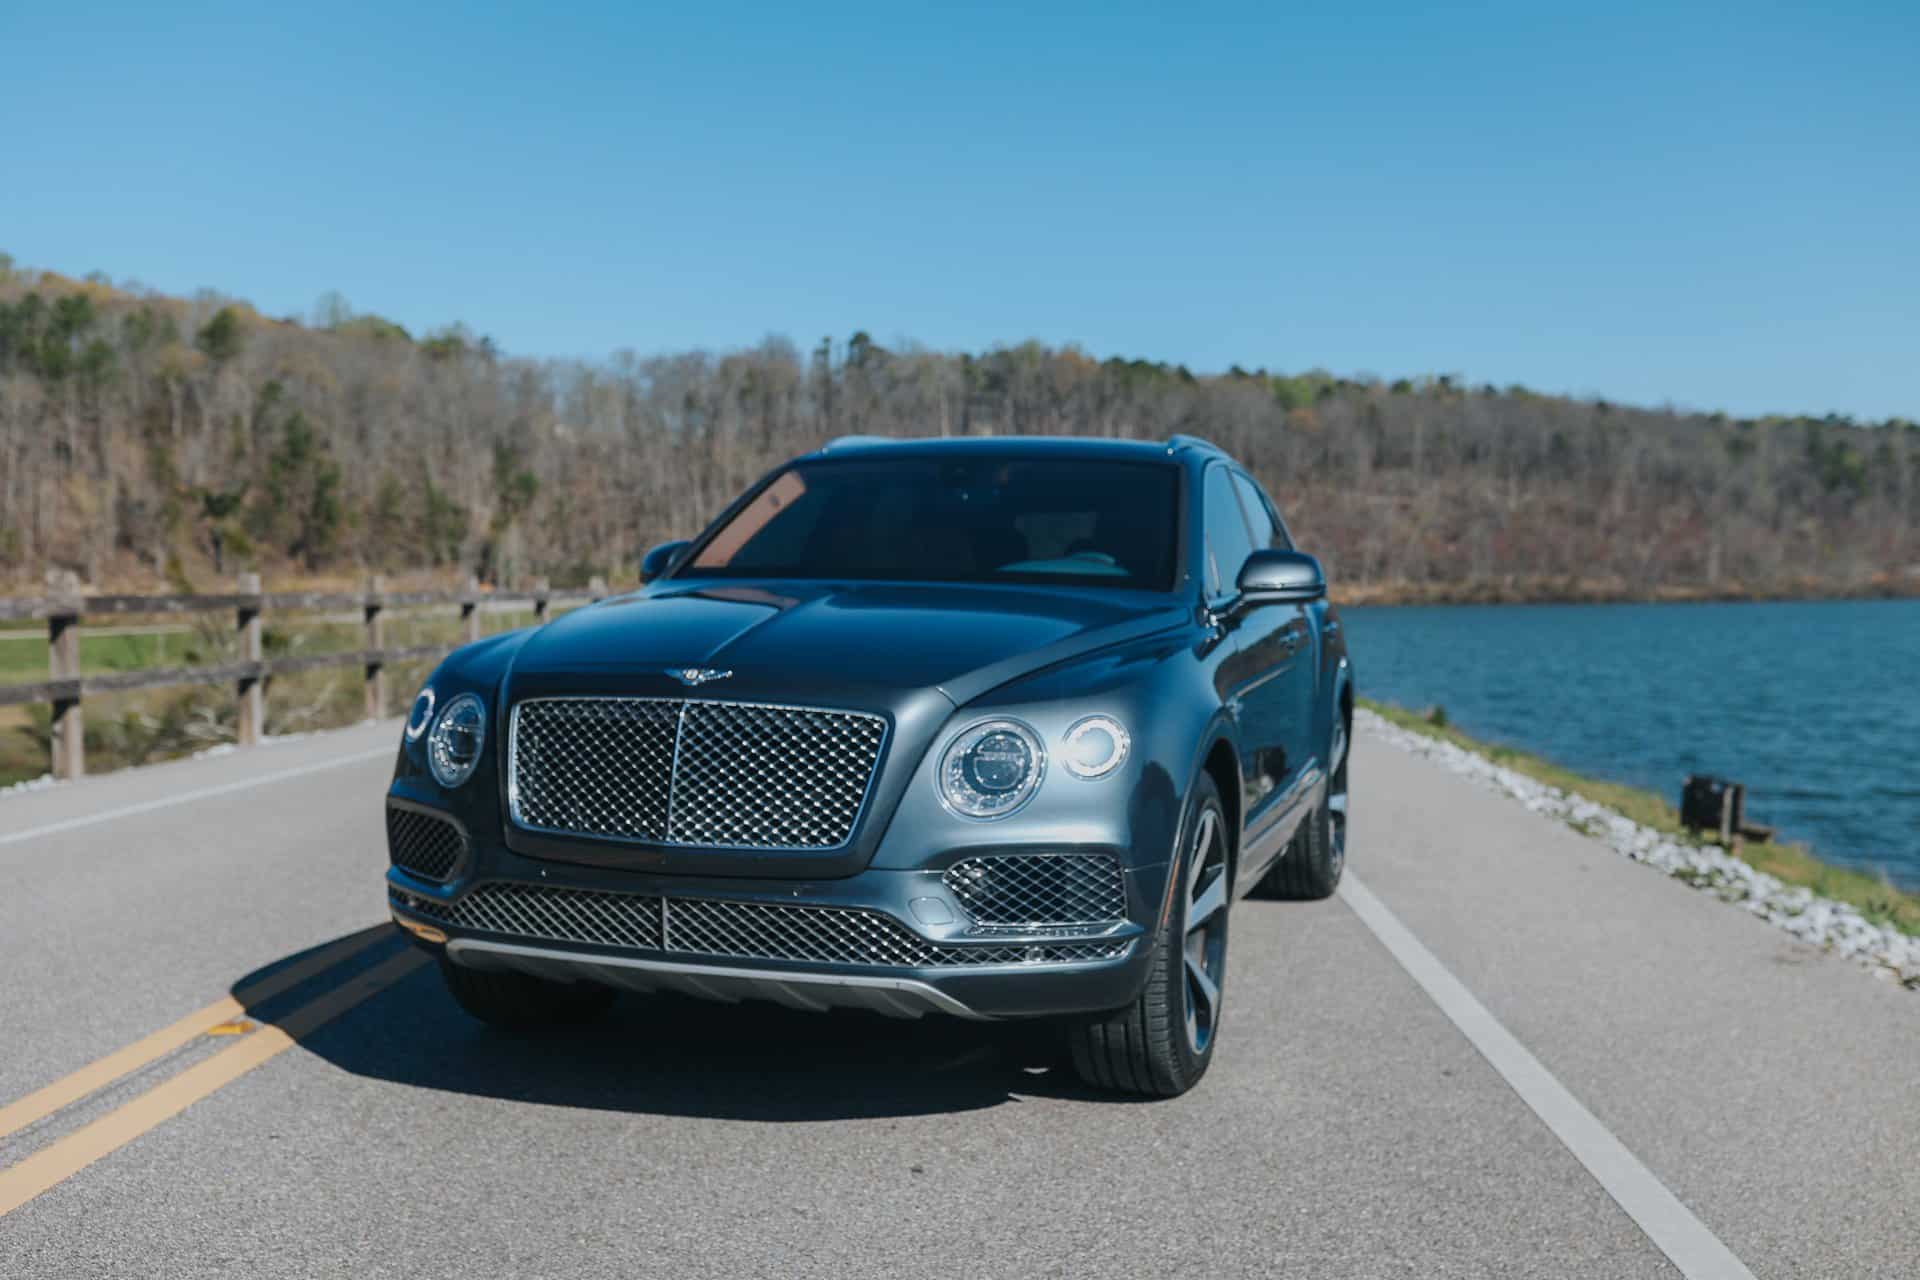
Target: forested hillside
148	439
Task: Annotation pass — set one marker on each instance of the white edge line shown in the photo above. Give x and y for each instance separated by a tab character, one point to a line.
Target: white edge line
1669	1224
190	797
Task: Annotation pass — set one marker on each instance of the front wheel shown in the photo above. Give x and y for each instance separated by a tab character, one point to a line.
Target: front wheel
1160	1044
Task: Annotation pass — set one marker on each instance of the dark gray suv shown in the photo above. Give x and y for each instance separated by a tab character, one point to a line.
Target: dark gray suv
995	728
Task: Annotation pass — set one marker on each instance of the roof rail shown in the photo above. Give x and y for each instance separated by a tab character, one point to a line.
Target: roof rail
843	442
1179	442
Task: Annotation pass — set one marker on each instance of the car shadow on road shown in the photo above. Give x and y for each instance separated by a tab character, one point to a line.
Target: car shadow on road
671	1055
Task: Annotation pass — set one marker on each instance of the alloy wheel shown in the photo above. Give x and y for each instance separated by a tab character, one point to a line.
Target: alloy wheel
1337	796
1205	922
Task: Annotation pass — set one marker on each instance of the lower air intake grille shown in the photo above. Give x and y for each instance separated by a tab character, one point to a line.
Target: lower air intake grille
561	915
428	846
736	930
1039	890
766	931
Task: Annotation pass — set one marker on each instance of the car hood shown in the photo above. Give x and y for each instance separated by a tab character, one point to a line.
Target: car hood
816	641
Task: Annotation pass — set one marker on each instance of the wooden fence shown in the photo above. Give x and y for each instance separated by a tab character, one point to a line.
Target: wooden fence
63	613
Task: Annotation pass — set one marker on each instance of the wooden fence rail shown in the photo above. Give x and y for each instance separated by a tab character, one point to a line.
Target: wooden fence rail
248	676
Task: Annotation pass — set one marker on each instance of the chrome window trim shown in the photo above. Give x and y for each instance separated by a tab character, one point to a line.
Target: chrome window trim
673	769
1220	588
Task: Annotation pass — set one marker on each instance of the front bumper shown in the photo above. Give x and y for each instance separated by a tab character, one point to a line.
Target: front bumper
860	942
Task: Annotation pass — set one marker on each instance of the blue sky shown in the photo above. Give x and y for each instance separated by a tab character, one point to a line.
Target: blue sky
1715	205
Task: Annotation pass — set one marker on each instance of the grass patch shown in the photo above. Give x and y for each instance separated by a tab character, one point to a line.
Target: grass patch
1875	899
23	654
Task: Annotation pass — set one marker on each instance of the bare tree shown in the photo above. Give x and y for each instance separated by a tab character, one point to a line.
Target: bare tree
144	435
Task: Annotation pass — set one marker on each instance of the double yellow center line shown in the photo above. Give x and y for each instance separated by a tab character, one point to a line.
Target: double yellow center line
61	1160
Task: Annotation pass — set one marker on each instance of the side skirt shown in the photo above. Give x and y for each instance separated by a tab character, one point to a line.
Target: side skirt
1274	839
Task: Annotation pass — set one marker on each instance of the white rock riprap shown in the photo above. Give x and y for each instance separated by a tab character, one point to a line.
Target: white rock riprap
40	783
1835	926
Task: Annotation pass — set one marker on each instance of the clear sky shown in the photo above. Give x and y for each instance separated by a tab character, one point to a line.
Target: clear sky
1716	205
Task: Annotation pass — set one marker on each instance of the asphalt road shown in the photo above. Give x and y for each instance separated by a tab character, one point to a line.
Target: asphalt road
356	1124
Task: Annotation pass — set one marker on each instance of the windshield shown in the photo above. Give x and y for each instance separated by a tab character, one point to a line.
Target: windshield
1094	522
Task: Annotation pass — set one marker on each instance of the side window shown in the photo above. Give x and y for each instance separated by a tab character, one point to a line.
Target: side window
1228	544
1268	532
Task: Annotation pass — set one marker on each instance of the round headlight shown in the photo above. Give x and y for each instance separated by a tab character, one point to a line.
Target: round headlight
1096	747
453	748
422	714
992	768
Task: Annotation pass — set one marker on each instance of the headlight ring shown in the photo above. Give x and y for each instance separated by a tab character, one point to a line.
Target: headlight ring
458	738
991	769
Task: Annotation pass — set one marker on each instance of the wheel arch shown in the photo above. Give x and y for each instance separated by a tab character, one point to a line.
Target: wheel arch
1222	764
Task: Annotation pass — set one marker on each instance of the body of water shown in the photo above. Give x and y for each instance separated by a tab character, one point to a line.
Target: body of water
1814	706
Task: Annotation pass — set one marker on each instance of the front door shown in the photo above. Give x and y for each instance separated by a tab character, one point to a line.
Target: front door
1275	698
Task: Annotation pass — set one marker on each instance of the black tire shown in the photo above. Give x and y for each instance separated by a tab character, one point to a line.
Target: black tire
520	1002
1149	1046
1310	868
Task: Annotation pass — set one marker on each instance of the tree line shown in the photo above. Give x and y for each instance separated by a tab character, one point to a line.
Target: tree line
147	437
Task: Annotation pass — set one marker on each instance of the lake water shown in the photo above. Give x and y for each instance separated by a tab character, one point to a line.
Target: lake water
1814	706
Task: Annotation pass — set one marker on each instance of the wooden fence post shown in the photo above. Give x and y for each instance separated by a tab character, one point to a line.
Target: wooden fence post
376	639
63	663
470	609
249	673
253	690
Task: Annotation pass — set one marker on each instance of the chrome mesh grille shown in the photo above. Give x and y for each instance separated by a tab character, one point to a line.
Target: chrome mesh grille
733	930
428	846
600	766
1037	890
772	931
560	915
731	775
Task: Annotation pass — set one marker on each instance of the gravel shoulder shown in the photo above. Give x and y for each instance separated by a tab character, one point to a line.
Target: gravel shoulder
1836	926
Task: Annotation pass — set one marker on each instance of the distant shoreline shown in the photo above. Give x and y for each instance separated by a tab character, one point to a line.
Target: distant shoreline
1447	593
1508	590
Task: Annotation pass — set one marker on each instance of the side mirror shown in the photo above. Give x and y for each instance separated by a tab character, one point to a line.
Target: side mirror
660	559
1280	577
